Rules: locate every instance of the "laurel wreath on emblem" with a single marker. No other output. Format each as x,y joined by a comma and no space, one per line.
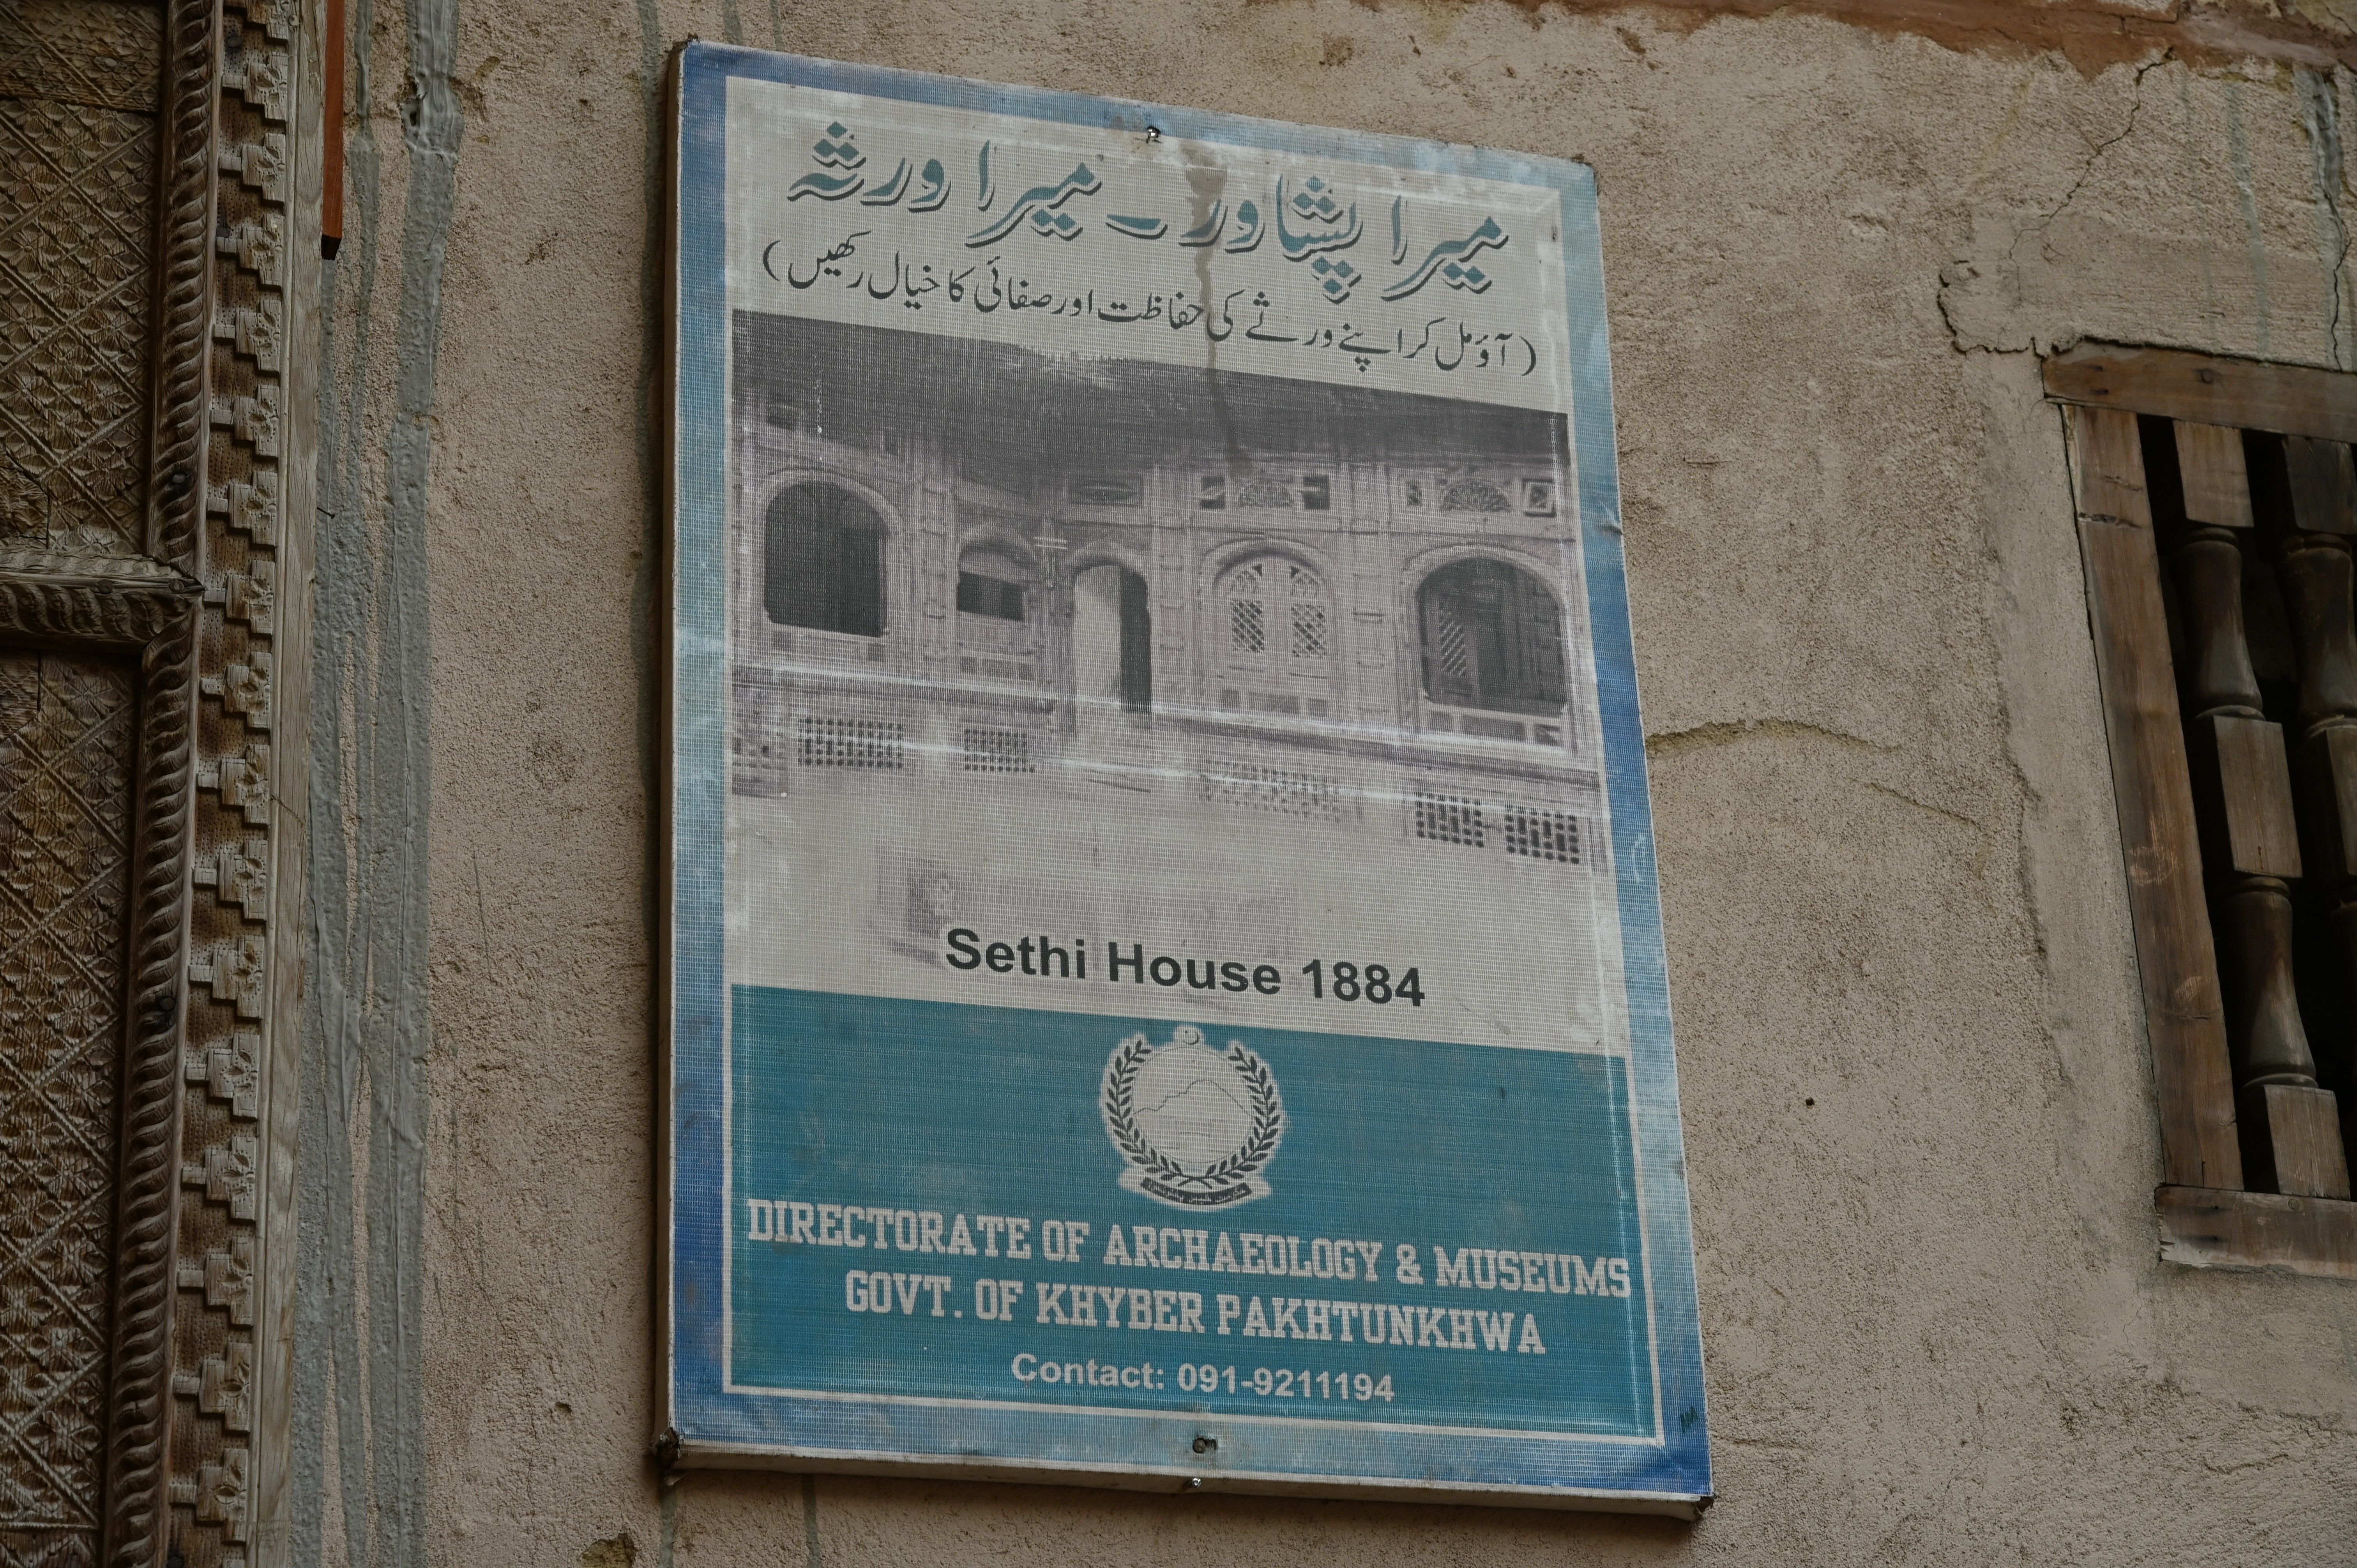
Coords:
1267,1126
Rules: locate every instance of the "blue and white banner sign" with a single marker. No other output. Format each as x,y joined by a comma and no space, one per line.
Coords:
1165,980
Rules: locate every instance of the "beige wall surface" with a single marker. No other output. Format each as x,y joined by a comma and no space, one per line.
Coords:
1918,1104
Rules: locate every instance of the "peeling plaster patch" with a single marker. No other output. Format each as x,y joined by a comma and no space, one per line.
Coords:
1668,743
1980,294
614,1551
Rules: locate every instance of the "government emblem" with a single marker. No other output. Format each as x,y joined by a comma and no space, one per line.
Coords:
1194,1124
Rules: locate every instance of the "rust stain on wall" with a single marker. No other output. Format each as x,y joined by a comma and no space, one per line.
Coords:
2091,35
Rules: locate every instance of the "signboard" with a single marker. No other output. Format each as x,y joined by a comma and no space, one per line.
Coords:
1165,979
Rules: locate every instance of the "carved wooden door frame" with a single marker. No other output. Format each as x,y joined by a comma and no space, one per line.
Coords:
211,606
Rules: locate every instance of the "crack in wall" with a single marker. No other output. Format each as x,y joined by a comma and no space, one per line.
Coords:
1904,798
2095,156
1954,296
2238,145
2319,116
2092,35
1980,302
1670,743
2210,308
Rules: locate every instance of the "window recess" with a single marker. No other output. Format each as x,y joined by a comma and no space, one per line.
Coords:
2217,515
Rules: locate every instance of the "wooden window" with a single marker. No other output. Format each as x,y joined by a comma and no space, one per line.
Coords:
2215,517
1492,640
1277,655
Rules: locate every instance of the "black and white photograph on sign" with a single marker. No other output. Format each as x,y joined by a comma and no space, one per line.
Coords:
1176,631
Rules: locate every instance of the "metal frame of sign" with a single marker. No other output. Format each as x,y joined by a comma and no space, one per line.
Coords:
1266,712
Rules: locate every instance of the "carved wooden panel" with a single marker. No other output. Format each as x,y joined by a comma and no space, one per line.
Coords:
79,140
235,952
66,735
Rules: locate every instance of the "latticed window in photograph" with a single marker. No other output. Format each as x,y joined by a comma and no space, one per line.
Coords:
988,750
1279,638
1541,835
2217,512
823,741
1307,601
1247,613
1448,819
1287,791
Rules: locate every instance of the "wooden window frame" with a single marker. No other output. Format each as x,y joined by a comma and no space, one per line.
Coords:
2207,1218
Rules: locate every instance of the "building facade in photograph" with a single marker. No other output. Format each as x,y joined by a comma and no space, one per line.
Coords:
1353,623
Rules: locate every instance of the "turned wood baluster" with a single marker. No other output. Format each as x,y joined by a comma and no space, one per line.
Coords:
2242,783
2319,576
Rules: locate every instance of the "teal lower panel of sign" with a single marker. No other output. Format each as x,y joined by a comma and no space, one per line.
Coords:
1076,1224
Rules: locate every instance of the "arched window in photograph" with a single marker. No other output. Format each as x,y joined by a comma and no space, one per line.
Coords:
1276,639
1492,640
823,562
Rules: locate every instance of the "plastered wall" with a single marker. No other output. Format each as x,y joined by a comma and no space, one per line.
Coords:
1917,1102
